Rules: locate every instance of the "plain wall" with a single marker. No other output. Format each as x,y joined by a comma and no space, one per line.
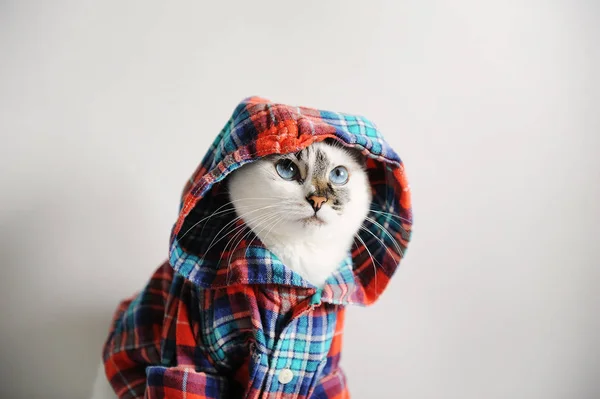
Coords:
107,107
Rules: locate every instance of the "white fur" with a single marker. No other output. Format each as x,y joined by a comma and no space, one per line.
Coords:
274,208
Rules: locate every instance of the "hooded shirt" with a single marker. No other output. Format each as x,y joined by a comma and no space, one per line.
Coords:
217,321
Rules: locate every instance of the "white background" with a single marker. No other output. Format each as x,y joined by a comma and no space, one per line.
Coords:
107,107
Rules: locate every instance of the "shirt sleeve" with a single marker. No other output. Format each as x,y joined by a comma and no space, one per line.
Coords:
133,343
133,361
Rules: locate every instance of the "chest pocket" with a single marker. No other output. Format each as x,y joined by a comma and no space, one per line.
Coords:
225,330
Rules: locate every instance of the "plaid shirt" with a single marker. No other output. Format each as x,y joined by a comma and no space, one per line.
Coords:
222,322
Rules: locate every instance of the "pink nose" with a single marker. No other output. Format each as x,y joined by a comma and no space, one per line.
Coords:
316,202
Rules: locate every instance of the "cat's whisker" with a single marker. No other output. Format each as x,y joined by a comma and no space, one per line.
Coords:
219,237
384,230
382,244
231,234
261,219
218,210
278,218
373,260
223,212
235,231
213,243
240,230
257,222
265,220
269,232
205,218
237,208
390,214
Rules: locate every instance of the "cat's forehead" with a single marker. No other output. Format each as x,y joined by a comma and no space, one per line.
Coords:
323,154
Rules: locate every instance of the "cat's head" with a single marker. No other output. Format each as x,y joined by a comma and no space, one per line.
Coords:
321,192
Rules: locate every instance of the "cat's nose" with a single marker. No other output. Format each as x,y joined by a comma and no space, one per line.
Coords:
316,202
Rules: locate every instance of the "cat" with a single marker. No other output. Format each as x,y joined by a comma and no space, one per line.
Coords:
305,207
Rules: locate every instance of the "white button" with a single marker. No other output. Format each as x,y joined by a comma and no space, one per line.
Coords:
285,376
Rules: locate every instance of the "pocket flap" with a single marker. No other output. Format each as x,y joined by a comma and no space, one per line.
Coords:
179,382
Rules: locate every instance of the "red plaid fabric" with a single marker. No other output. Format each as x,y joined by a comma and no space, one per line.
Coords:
220,322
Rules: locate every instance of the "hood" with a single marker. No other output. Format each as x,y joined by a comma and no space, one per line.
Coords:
259,128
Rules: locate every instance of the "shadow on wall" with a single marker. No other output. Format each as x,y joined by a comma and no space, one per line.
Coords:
61,281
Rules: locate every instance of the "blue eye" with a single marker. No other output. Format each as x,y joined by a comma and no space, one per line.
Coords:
287,169
339,175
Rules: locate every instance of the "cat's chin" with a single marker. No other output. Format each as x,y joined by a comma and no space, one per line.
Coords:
313,221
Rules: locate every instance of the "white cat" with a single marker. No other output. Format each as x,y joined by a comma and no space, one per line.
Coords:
305,207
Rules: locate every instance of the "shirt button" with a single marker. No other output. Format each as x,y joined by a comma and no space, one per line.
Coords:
285,376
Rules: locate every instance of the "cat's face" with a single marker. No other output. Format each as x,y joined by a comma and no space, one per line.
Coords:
320,192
